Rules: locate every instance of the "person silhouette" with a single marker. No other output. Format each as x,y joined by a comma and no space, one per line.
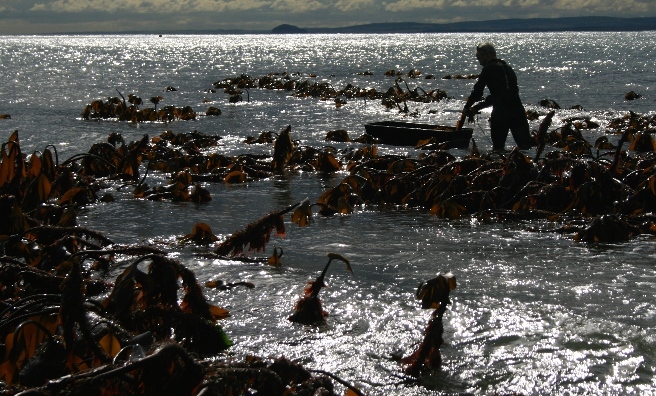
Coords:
507,110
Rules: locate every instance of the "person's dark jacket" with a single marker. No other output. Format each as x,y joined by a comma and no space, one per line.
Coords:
502,83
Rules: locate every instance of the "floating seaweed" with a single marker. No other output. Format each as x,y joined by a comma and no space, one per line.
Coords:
282,150
308,309
564,184
433,293
201,235
118,109
256,235
147,334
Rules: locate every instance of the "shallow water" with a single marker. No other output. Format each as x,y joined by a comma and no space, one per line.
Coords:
533,313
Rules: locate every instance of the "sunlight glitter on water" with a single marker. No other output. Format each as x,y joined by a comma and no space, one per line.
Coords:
534,312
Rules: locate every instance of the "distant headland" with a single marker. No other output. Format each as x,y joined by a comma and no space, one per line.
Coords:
577,24
572,24
288,29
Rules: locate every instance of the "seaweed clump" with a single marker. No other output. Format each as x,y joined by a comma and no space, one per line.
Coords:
433,294
151,331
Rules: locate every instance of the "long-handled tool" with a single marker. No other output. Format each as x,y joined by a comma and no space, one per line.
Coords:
461,121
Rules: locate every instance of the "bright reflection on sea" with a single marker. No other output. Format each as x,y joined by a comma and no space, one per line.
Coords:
534,324
534,312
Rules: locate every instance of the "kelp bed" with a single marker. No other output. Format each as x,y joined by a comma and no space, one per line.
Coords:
152,331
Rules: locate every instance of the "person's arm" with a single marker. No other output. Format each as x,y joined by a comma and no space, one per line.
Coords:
477,94
477,91
481,105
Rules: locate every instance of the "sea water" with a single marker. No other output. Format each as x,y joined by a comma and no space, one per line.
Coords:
533,312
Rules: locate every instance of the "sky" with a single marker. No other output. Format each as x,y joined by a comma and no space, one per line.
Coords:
116,16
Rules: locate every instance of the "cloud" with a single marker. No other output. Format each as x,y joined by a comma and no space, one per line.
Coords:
471,7
575,7
230,5
297,6
66,6
605,6
151,6
409,5
190,6
52,16
354,5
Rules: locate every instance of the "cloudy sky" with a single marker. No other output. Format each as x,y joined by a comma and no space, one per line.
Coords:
59,16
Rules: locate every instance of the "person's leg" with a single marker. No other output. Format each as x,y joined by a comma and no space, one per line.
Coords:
499,130
520,130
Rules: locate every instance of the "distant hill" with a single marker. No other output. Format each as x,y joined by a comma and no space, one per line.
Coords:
287,29
578,24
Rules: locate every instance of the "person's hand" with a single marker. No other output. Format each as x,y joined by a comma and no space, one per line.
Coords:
470,113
